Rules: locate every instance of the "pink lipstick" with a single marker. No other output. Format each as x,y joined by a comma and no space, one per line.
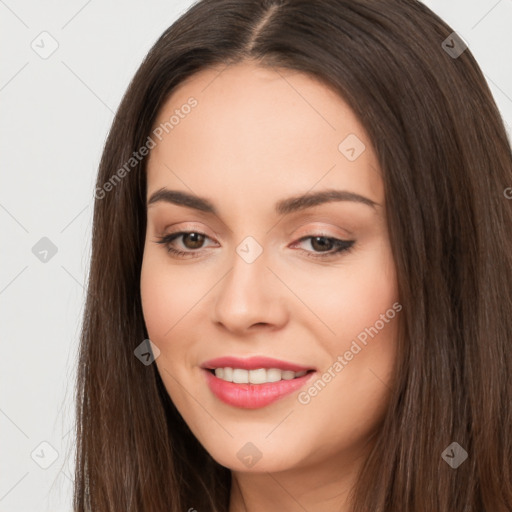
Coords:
253,382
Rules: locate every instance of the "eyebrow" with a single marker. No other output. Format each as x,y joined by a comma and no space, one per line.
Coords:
282,207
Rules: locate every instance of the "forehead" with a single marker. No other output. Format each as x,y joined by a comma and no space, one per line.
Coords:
260,132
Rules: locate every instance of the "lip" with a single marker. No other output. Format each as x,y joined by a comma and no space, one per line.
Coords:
253,396
252,363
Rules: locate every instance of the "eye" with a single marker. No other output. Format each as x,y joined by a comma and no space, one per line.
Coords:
327,246
323,246
194,241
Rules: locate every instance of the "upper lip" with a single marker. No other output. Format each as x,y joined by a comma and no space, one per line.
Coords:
252,363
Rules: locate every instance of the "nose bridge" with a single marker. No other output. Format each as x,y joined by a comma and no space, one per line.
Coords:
247,282
247,294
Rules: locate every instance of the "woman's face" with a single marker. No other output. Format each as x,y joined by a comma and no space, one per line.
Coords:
261,277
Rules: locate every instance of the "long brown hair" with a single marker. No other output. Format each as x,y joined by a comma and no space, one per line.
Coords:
446,162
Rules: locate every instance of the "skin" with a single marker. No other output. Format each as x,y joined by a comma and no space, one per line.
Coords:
257,136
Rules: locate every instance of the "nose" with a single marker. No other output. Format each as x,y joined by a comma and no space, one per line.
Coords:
250,297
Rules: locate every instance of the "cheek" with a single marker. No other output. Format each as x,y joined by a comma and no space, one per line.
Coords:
361,310
347,300
364,313
157,301
166,294
366,303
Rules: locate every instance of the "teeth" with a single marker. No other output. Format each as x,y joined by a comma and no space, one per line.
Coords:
273,375
240,376
259,376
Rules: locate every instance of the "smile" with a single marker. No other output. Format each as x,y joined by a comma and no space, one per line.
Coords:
259,376
247,386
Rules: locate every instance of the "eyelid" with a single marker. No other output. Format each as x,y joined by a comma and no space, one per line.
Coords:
319,229
187,227
305,231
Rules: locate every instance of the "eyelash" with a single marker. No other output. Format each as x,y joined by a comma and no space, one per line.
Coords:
342,246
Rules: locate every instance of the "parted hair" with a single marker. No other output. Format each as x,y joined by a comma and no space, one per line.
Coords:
445,161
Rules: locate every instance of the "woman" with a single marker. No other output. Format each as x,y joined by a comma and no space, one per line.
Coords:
301,204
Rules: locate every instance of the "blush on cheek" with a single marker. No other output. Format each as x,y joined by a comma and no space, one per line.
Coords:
166,299
357,312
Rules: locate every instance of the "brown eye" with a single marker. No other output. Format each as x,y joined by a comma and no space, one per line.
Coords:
196,240
326,246
322,246
191,241
322,243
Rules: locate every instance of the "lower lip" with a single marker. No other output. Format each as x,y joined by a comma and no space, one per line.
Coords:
253,396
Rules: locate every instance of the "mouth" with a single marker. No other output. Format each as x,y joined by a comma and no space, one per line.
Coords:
257,376
255,382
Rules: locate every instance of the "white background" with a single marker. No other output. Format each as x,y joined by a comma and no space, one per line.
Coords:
55,115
